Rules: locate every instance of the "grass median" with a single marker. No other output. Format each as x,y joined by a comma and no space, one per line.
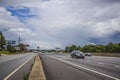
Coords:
107,54
6,52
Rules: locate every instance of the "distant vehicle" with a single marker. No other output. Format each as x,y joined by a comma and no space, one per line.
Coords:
77,54
35,51
88,54
60,52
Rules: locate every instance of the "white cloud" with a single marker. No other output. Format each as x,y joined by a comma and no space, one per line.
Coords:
60,22
12,27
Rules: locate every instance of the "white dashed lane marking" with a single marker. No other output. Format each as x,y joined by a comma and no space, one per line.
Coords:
101,63
88,61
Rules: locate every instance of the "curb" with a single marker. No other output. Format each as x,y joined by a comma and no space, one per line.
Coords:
37,72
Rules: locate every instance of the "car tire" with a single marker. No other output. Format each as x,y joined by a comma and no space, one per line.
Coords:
83,58
72,57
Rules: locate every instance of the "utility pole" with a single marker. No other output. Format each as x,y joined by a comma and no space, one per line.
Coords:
19,40
38,48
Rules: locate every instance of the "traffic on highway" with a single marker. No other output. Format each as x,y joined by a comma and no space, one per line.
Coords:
63,67
59,39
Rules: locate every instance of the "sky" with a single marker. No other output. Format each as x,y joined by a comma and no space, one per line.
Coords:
58,23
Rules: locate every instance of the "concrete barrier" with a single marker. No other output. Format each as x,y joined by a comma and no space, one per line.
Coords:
37,72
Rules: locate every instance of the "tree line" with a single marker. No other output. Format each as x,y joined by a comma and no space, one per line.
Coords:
99,48
9,47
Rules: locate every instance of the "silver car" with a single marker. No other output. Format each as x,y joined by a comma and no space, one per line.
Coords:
77,54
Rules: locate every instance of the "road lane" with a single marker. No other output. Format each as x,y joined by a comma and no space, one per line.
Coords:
94,60
10,57
56,70
9,64
107,65
100,67
23,71
108,60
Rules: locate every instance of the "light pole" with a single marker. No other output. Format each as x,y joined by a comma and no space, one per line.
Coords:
19,40
38,48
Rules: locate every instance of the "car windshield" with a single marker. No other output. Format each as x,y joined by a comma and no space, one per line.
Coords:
76,51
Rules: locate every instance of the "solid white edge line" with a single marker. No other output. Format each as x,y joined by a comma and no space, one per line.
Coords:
17,69
85,68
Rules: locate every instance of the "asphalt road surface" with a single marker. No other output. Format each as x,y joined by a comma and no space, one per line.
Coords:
63,67
14,67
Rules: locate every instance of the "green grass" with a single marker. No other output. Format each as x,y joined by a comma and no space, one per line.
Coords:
6,52
26,76
107,54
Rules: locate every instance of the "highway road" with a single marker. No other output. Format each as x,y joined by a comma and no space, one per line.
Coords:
14,67
63,67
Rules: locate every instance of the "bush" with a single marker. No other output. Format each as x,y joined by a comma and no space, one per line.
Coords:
109,48
5,52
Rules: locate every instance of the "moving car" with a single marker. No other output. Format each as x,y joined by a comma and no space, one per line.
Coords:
77,54
35,51
88,54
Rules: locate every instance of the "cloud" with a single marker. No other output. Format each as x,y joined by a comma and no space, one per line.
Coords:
59,22
11,26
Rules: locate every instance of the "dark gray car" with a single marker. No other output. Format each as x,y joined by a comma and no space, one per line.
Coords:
77,54
88,54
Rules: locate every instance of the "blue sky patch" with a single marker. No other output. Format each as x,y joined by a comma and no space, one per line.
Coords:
22,13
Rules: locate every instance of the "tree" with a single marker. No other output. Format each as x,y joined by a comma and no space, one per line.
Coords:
2,41
22,47
108,48
101,48
66,49
118,48
93,48
73,47
79,48
11,48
